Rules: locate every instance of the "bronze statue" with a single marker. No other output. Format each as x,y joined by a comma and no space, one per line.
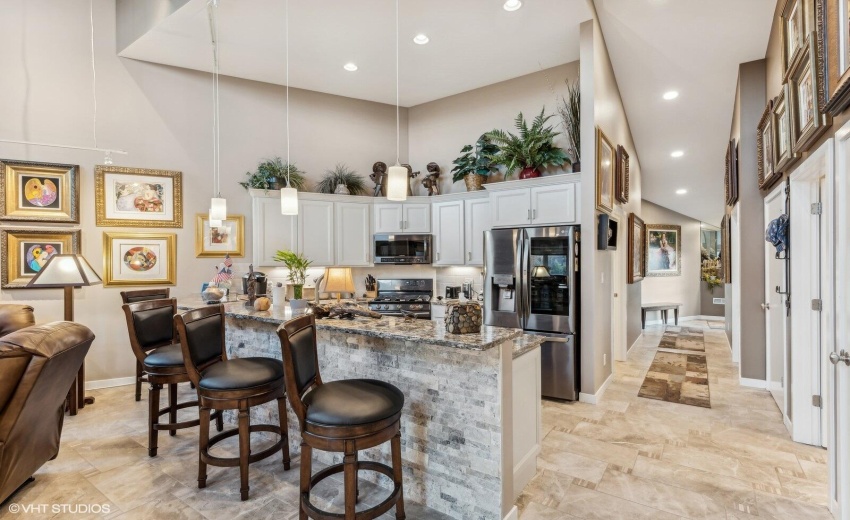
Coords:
379,177
410,175
432,181
252,286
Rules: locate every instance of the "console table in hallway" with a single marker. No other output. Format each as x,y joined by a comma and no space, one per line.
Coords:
662,308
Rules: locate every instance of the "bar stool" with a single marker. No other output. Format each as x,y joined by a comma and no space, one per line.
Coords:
150,325
230,384
143,296
341,416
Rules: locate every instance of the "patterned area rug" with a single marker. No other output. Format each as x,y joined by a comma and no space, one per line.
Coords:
679,377
683,338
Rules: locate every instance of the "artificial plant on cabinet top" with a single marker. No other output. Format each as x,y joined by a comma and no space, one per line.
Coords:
531,150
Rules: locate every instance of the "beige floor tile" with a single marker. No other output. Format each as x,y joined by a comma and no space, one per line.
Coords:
781,508
806,490
722,465
571,464
593,448
594,505
535,511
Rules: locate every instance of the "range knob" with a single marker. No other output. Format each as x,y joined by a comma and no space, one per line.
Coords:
385,307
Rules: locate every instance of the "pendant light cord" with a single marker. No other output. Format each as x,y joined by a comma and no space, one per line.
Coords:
212,7
288,165
93,72
397,121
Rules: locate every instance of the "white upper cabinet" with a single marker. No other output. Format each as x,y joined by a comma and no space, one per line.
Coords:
388,218
272,231
353,235
476,218
449,247
403,218
510,208
316,237
553,204
535,202
417,218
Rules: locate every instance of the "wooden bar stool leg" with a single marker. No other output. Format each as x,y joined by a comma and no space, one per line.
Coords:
138,381
244,447
356,479
203,446
395,445
153,418
306,475
350,461
172,406
219,421
284,432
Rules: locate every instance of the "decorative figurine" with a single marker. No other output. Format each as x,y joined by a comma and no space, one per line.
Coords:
410,175
252,286
432,181
379,176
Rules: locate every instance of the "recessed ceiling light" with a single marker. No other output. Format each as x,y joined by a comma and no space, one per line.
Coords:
677,154
673,94
512,5
350,67
681,191
421,39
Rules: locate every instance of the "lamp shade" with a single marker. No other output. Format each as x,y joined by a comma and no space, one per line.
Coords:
288,201
397,183
540,271
218,209
70,270
339,280
215,222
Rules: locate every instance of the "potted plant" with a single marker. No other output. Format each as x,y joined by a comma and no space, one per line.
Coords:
475,163
343,180
297,265
570,110
271,174
529,151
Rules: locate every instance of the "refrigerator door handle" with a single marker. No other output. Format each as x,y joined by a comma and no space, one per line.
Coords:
520,284
526,282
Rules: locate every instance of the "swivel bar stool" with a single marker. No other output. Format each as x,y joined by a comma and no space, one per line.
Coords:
150,325
230,384
143,295
341,416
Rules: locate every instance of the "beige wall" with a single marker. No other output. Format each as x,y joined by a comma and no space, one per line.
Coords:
162,116
439,129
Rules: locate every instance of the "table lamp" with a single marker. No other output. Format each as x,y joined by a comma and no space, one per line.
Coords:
69,271
540,271
339,280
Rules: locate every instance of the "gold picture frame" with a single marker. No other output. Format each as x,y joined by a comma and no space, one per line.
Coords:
138,197
622,187
783,155
833,28
39,192
138,259
663,249
231,242
796,17
807,98
606,157
730,179
766,142
24,251
636,253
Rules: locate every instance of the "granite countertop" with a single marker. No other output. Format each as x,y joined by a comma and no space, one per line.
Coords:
445,301
526,343
428,331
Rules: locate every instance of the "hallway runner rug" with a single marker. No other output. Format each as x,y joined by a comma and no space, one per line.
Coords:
679,371
683,338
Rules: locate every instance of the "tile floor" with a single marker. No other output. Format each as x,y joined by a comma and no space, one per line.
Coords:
635,458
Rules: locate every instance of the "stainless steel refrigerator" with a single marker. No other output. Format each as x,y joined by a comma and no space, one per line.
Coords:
531,281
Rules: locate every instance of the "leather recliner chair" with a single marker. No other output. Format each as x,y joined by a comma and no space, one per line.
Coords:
37,366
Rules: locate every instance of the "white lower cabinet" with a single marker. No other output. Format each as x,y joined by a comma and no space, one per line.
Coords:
476,220
527,419
272,231
316,237
447,223
353,236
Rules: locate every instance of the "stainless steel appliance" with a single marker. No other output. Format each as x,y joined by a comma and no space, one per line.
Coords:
402,249
452,292
531,282
404,297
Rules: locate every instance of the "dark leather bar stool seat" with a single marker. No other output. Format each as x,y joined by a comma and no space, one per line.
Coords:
143,295
230,384
341,416
150,325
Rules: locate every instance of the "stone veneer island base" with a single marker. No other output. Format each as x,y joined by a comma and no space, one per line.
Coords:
459,436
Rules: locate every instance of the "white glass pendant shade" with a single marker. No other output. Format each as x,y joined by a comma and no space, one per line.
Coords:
397,183
215,222
288,201
218,209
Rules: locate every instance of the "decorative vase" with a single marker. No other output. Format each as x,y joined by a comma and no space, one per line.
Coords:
577,167
298,306
463,318
473,182
529,173
275,183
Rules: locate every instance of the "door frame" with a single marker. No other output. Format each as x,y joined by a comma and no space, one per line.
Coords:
735,215
810,327
619,306
778,192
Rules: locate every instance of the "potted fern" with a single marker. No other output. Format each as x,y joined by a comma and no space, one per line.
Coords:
297,265
530,151
272,174
475,163
343,180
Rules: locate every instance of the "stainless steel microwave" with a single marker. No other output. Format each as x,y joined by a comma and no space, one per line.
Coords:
402,249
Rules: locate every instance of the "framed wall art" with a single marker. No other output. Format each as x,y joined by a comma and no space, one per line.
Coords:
765,140
605,166
139,259
23,252
621,187
833,27
636,253
783,156
663,250
39,192
138,197
730,180
806,97
796,25
726,248
229,238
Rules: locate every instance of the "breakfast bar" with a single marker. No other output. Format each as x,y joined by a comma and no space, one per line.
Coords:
461,394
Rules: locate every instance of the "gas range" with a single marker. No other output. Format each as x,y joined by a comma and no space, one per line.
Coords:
404,297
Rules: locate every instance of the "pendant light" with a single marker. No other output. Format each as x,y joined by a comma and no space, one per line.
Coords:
218,204
397,180
288,194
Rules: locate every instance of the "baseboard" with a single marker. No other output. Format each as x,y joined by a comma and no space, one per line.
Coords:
670,321
109,383
513,514
787,421
594,398
640,337
753,383
525,470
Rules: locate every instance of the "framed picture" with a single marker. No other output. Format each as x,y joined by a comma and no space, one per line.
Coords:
23,252
229,238
636,255
622,175
605,158
726,248
765,145
807,99
138,197
796,25
783,157
731,177
833,28
663,250
39,192
139,259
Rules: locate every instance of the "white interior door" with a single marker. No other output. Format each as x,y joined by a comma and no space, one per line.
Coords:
618,285
774,306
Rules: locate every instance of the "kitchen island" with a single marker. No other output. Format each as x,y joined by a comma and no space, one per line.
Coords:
461,444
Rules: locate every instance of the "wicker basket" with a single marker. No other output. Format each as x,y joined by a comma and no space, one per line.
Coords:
473,182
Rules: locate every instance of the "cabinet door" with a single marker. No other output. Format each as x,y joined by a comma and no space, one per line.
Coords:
353,238
388,218
271,231
476,218
448,233
510,208
553,204
316,238
417,218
